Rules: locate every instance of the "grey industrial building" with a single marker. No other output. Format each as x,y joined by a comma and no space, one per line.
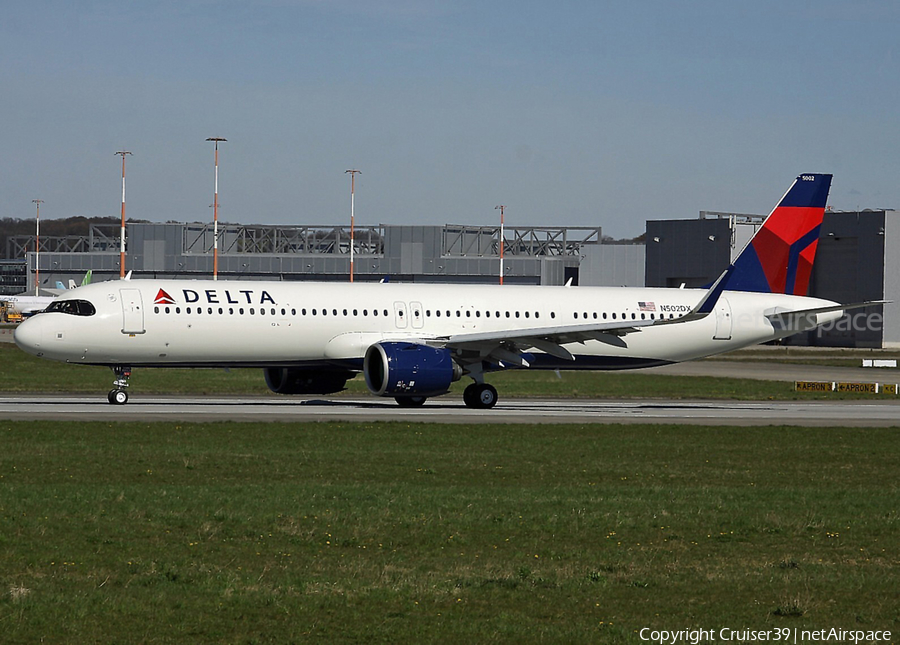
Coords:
858,259
449,253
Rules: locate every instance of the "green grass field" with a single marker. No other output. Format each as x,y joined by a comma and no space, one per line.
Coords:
393,532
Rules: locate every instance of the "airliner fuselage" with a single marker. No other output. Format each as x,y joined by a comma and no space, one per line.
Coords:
247,324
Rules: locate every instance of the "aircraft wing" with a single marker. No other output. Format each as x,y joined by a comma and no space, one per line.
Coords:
504,346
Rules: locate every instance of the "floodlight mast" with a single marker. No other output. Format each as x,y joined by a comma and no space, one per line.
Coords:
123,153
37,247
216,212
353,174
502,208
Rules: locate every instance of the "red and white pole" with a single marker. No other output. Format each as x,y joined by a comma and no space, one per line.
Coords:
123,153
37,247
216,212
353,174
502,243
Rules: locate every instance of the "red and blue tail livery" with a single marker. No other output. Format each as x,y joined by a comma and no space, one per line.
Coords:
780,256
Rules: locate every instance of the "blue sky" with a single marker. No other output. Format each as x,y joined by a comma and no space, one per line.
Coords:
577,113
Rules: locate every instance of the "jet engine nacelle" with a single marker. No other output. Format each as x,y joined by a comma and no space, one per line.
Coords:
409,369
295,380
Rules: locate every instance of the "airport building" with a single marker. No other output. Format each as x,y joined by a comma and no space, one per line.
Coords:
449,253
857,260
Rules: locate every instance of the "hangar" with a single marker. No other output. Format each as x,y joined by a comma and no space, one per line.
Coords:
858,257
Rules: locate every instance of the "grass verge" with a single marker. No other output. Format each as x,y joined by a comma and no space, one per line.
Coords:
395,532
25,373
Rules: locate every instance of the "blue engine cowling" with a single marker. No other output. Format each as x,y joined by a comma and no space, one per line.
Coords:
409,369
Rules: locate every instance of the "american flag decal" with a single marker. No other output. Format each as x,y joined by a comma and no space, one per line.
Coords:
647,306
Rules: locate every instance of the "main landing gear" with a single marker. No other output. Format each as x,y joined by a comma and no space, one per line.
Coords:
480,396
119,395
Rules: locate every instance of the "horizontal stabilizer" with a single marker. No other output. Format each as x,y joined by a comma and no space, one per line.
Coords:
824,310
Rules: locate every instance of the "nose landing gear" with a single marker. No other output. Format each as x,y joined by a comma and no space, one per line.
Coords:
119,395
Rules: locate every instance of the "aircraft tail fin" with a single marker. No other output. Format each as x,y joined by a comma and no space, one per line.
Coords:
780,256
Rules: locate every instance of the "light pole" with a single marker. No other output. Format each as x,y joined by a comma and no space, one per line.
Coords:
502,208
353,174
123,153
37,247
216,212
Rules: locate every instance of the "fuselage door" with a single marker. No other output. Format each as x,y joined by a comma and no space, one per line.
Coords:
723,319
132,311
416,315
400,315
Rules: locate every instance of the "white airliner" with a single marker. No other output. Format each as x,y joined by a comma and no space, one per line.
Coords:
29,305
412,341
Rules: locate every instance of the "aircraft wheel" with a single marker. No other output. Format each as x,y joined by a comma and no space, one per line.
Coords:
118,397
410,401
480,396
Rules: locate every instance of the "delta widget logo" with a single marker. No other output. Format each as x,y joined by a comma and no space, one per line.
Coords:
162,298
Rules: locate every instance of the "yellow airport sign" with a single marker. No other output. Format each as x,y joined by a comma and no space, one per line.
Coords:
859,388
813,386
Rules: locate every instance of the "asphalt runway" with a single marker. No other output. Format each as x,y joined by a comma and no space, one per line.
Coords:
878,411
449,410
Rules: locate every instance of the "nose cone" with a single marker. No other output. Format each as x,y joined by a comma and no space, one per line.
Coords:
28,336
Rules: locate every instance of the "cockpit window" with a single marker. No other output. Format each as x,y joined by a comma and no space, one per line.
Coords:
73,307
